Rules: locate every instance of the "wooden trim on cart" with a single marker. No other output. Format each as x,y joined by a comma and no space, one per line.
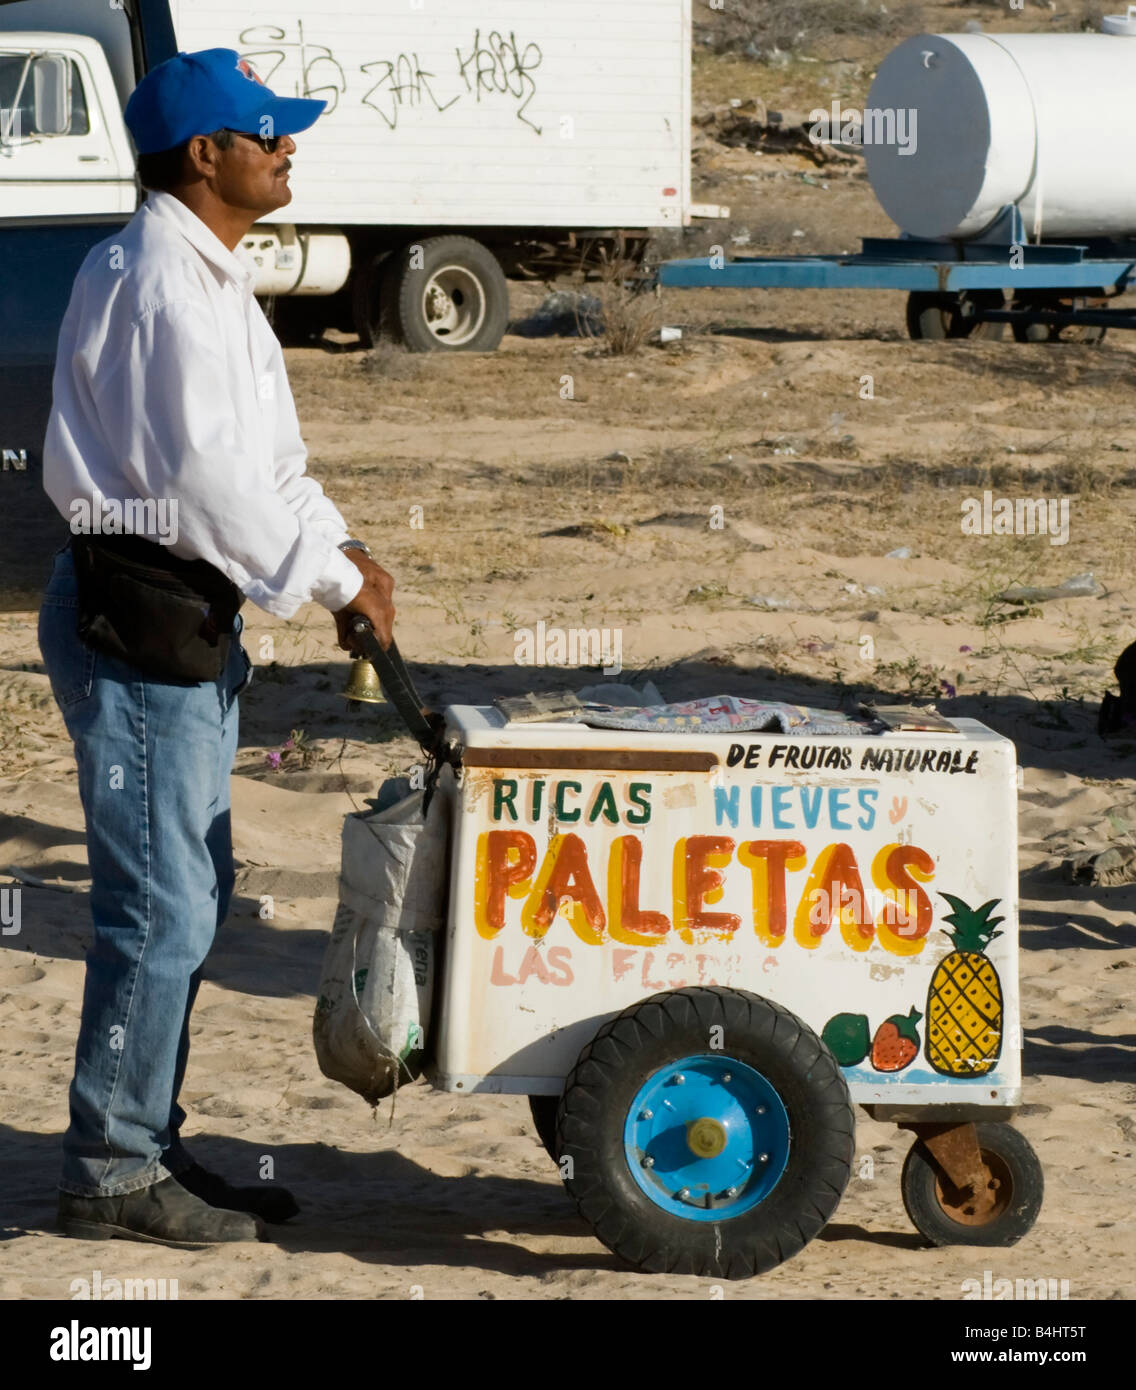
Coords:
590,759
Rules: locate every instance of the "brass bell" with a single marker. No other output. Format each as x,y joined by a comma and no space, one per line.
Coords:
363,683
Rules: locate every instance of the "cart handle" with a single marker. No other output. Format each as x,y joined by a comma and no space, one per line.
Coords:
427,726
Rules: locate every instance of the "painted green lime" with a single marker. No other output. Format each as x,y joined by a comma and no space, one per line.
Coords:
848,1038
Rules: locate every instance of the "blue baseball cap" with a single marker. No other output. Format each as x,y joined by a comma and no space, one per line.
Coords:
216,89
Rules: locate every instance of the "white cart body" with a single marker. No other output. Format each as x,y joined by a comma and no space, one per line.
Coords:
592,868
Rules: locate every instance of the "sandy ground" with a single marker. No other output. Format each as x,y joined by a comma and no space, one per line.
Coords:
758,410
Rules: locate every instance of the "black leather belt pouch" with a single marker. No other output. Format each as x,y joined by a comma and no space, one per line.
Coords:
170,618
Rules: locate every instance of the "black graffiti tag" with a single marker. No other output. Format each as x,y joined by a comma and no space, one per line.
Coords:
497,65
401,82
500,66
320,74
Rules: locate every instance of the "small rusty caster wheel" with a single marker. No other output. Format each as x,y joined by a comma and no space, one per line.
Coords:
999,1213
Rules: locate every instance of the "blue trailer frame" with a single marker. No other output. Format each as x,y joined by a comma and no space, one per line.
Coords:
953,286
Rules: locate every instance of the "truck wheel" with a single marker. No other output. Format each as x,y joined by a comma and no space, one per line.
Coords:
456,301
946,1216
706,1131
935,316
543,1110
372,291
299,320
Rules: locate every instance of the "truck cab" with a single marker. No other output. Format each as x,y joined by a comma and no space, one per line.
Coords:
66,70
63,146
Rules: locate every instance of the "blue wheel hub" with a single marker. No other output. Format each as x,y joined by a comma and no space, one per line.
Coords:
706,1138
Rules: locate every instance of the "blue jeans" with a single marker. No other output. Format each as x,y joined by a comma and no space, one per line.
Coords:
154,761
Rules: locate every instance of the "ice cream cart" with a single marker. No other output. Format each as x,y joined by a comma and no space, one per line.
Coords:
695,936
697,951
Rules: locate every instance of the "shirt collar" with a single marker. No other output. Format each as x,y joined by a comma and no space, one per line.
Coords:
237,266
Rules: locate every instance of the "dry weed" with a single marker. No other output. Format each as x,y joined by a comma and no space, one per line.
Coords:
630,314
765,29
394,362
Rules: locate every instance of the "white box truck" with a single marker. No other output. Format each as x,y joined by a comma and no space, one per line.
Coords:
509,138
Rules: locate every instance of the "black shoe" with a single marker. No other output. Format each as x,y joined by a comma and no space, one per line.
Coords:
269,1201
164,1214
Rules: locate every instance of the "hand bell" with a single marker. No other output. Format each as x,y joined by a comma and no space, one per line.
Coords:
363,683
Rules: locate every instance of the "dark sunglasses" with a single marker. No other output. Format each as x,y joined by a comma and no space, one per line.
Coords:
267,143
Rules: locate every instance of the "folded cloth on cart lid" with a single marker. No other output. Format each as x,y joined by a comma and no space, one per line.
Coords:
724,714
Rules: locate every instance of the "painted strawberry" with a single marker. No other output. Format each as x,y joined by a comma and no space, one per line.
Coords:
896,1044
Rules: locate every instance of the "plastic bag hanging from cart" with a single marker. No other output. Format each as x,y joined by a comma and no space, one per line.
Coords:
372,1016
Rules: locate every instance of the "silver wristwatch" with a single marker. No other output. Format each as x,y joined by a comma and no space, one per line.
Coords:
356,545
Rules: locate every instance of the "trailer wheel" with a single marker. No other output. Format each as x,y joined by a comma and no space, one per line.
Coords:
945,1216
1087,333
445,293
543,1110
935,316
706,1131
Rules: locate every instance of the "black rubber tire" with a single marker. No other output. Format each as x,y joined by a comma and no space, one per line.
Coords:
371,295
939,316
404,284
543,1110
1089,334
926,316
1030,332
662,1029
299,320
922,1180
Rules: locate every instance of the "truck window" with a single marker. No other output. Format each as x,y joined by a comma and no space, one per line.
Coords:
15,120
80,120
17,117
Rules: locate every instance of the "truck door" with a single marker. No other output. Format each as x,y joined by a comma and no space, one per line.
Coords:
59,155
40,255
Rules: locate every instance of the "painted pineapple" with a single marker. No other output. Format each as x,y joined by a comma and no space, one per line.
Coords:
964,1003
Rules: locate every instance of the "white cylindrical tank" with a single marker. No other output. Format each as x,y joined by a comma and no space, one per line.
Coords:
292,260
1040,120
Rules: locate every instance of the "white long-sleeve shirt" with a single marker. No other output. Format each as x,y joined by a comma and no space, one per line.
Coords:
170,385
